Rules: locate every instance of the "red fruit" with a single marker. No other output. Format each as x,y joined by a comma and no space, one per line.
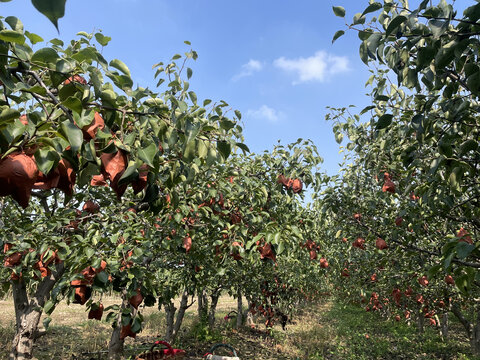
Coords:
136,299
18,173
463,236
82,294
187,243
409,291
90,131
75,78
127,331
389,186
359,243
357,216
381,244
313,254
266,252
419,298
373,277
323,263
423,281
96,312
91,207
407,314
113,167
102,267
297,186
344,239
397,317
281,179
44,271
345,272
140,183
23,119
432,322
13,260
98,180
398,221
413,196
449,280
397,295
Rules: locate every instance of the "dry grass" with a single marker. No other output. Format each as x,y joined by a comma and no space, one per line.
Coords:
326,330
72,336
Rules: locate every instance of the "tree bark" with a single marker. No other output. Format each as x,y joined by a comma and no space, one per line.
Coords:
170,310
116,345
28,313
213,308
180,315
472,329
202,306
444,325
420,321
239,309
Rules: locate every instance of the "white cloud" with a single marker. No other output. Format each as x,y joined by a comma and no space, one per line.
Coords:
318,67
248,69
265,113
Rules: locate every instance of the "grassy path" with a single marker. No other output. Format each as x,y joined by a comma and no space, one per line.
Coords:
328,330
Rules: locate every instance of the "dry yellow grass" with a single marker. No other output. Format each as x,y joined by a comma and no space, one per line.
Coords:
72,336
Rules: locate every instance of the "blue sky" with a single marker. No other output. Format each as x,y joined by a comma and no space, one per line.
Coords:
272,60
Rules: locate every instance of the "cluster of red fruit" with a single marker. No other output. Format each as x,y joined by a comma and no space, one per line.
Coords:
295,184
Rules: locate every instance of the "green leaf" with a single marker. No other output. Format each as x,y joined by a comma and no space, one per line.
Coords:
147,154
102,39
189,152
74,135
368,108
224,148
394,24
45,56
371,8
358,19
102,277
438,27
46,159
244,147
8,114
464,249
384,121
46,322
52,9
339,11
74,104
34,38
49,307
12,36
211,156
337,35
202,149
189,73
468,145
120,65
129,174
14,23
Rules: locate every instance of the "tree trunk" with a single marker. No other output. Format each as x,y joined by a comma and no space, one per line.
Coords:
444,325
170,310
239,309
202,306
473,330
213,308
420,321
180,315
116,345
28,313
